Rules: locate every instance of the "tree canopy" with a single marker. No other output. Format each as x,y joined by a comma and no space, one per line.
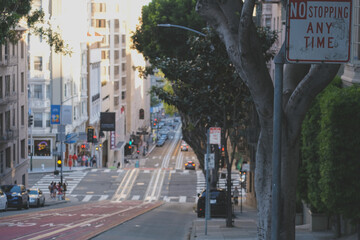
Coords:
13,12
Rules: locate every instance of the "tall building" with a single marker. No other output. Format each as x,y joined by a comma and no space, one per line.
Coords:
56,79
13,113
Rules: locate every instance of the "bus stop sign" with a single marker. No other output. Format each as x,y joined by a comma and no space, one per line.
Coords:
318,31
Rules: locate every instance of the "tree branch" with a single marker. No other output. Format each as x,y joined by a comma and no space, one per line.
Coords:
319,76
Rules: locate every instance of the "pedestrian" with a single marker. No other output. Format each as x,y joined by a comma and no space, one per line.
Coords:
50,187
84,158
93,161
54,190
64,189
59,190
236,196
70,161
75,160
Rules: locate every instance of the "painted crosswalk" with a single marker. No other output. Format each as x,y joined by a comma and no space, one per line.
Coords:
201,184
71,178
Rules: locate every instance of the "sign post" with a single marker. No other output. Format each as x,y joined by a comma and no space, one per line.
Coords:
318,31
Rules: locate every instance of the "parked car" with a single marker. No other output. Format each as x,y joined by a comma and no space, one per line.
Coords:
190,165
37,197
17,196
218,205
160,143
3,201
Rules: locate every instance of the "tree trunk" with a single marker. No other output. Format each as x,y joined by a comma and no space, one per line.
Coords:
289,167
262,183
228,199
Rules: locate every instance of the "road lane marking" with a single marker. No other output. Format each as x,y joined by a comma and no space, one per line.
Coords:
67,227
87,198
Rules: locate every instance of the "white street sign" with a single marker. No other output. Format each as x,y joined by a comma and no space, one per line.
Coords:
211,161
318,31
215,135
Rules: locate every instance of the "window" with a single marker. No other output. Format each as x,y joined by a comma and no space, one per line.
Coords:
13,117
117,25
14,83
116,39
22,115
8,157
13,49
6,51
116,55
123,95
141,114
116,70
2,162
105,54
22,149
14,154
7,85
38,63
100,23
22,82
98,7
48,91
1,125
1,86
123,38
123,66
123,53
7,120
22,49
38,91
42,148
47,116
38,120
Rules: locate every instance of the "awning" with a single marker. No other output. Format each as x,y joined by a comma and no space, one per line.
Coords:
119,146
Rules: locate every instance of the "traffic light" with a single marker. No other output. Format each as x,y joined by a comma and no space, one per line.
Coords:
130,142
138,151
83,146
59,162
31,120
90,135
95,140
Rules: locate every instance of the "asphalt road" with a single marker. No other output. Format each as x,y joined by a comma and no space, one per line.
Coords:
169,221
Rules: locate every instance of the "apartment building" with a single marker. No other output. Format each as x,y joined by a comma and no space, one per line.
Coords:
56,79
13,113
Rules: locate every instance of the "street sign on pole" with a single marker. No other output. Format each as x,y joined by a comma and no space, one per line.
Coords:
215,135
211,162
318,31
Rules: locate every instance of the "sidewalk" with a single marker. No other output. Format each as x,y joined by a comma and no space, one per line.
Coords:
245,227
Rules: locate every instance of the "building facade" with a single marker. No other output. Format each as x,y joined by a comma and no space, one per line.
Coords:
13,113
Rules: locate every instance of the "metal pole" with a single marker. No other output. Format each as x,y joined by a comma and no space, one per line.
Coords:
276,154
178,26
207,195
61,149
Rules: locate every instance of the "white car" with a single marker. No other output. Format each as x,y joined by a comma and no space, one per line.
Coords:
37,197
3,201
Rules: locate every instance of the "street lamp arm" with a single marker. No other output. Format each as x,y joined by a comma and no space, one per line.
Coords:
178,26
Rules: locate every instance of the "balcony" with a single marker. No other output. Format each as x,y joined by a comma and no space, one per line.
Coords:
40,103
9,98
40,74
9,135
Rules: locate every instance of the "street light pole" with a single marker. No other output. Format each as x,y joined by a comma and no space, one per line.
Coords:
178,26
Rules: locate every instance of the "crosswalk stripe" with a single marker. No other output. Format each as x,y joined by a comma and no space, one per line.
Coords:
103,197
87,198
